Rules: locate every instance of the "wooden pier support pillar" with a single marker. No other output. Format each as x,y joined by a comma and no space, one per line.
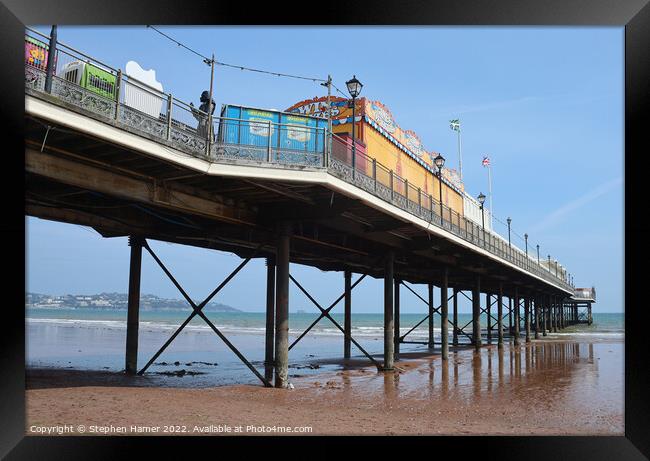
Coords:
282,307
476,314
133,312
347,321
455,317
388,311
269,356
444,314
396,321
527,317
500,317
431,306
488,310
537,306
516,314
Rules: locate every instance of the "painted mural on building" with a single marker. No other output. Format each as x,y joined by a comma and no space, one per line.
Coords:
380,118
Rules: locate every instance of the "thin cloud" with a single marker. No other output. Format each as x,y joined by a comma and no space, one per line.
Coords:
553,217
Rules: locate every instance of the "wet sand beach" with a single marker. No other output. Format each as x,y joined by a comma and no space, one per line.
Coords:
552,386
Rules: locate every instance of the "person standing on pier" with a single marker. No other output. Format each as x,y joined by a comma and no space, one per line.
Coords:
201,114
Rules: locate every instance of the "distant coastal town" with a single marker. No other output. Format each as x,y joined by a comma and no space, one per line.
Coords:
113,301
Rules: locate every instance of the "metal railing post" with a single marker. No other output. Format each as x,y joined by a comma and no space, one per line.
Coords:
406,192
392,188
268,147
431,207
118,85
170,105
374,172
420,199
327,146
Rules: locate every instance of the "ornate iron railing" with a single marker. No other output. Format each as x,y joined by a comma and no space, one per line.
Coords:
128,102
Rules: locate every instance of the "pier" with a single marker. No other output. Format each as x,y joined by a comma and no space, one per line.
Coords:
92,159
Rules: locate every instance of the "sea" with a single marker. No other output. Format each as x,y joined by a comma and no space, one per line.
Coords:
94,339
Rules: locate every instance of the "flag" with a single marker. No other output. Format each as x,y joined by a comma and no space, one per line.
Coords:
454,125
486,161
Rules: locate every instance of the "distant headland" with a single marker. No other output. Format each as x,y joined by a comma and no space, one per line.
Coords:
113,301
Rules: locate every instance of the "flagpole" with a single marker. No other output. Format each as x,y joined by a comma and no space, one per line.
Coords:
460,155
490,192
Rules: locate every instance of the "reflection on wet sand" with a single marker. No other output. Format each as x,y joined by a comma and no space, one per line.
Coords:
549,367
545,387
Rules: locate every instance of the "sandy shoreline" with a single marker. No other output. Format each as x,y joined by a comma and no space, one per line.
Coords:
550,387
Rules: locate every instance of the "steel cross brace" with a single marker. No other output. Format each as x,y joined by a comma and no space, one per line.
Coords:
325,313
481,311
520,306
197,310
490,304
458,330
582,314
435,309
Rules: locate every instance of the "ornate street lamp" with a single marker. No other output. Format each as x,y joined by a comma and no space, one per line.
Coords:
439,162
354,88
538,263
481,200
526,239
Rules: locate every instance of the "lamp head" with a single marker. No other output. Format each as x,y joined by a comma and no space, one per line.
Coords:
354,86
439,161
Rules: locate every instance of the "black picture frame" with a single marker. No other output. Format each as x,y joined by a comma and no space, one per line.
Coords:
634,15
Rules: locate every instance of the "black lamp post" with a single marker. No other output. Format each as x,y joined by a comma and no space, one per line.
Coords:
481,200
509,245
439,161
538,255
549,263
526,239
354,88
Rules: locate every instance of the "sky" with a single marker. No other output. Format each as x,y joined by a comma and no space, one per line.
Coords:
545,104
